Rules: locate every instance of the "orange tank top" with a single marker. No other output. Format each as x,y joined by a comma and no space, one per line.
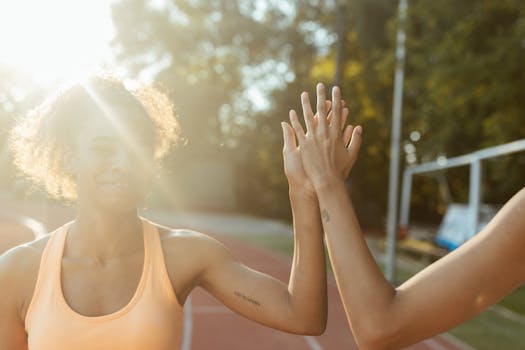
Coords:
151,320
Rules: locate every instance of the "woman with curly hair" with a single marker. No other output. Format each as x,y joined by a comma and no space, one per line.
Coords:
111,279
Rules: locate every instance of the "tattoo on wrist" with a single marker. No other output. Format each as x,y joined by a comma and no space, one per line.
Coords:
246,298
324,215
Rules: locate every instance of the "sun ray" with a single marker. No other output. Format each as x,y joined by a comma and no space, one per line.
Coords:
117,123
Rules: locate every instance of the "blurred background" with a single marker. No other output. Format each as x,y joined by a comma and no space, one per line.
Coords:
234,68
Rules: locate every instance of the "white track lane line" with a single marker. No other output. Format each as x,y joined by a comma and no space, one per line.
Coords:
313,343
187,329
434,344
38,228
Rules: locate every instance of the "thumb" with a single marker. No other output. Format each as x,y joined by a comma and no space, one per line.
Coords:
347,134
355,142
289,137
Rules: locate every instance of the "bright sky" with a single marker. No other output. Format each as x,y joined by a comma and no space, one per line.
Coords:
55,39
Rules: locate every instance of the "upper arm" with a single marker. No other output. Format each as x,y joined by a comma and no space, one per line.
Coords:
250,293
466,281
12,330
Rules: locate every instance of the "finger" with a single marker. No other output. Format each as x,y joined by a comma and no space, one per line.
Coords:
328,104
308,114
355,142
336,109
347,134
296,126
321,107
289,137
344,117
328,108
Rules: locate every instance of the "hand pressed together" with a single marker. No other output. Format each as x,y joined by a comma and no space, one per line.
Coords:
327,152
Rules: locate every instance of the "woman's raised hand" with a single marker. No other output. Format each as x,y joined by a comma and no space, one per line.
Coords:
328,153
293,164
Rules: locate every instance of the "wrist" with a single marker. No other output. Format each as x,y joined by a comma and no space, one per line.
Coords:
329,188
302,193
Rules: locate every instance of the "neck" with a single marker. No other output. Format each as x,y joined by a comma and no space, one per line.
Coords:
104,235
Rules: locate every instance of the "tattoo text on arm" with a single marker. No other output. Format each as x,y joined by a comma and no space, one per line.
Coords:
246,298
325,215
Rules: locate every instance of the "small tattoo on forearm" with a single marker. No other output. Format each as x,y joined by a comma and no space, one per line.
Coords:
324,215
246,298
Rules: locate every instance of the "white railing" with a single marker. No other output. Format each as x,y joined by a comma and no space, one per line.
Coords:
474,161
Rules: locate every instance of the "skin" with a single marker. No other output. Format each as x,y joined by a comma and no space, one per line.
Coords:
104,250
448,292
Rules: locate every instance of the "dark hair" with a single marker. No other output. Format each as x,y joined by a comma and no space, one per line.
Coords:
42,139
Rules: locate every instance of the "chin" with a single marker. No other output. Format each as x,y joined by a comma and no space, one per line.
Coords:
113,199
119,204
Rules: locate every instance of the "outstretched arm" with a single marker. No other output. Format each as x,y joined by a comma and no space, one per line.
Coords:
301,305
450,291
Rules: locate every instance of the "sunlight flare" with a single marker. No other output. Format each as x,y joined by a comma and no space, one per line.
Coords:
55,39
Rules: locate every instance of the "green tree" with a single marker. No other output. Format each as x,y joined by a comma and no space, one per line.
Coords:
215,58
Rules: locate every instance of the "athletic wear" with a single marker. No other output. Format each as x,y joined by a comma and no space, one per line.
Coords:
152,320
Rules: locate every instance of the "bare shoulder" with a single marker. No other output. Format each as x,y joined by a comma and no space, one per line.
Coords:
188,256
190,241
17,262
18,273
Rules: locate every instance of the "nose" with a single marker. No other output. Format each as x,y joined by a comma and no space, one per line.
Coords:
129,161
123,161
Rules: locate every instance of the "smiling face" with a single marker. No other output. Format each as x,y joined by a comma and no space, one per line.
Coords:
112,160
91,140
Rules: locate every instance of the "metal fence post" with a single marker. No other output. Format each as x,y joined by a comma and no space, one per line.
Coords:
406,190
474,196
394,144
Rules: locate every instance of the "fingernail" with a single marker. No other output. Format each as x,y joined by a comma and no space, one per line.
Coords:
282,125
304,95
358,130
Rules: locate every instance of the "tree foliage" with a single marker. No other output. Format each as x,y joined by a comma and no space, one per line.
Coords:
234,68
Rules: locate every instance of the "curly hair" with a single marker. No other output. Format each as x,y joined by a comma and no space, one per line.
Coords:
42,140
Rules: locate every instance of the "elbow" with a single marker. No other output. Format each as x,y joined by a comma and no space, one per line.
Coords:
312,330
378,335
371,344
309,320
371,341
316,329
313,326
320,324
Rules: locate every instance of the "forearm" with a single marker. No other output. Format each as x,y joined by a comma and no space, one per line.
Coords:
460,285
307,284
366,294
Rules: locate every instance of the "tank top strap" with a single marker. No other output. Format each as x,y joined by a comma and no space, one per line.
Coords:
158,271
57,251
49,269
51,260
